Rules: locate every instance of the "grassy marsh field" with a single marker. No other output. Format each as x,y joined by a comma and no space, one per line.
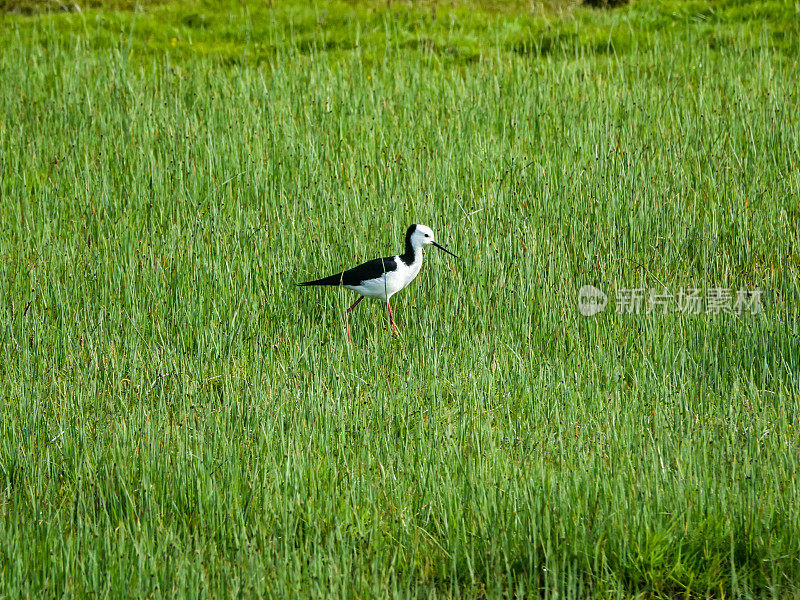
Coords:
178,420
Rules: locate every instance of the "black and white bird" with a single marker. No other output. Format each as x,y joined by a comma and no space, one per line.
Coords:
384,277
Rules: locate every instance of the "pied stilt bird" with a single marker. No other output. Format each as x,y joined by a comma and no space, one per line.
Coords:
384,277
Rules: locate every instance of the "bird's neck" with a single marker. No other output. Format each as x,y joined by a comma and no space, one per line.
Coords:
412,254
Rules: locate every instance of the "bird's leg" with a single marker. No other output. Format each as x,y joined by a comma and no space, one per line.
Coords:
391,319
347,315
349,310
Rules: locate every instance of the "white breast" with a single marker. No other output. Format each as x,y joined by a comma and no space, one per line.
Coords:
388,284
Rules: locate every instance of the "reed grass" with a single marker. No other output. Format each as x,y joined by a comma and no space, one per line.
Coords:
178,420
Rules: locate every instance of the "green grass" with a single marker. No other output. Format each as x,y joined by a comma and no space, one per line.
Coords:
448,32
178,420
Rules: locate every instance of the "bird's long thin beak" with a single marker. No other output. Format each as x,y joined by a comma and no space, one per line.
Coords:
443,248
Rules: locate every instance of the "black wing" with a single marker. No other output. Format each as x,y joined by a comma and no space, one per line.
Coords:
369,270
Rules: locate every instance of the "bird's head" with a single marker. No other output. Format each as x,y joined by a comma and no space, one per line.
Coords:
421,235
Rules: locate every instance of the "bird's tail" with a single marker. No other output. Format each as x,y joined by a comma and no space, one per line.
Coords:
331,280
